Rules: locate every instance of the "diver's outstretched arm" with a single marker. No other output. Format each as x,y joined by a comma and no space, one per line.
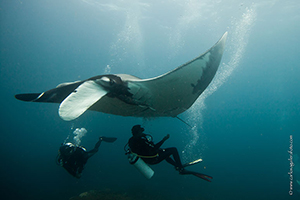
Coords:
97,145
158,145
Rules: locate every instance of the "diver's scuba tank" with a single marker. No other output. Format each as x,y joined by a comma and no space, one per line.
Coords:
138,163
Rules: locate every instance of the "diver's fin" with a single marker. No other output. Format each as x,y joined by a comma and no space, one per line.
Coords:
203,176
192,163
199,175
108,139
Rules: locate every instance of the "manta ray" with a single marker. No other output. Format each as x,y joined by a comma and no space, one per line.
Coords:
166,95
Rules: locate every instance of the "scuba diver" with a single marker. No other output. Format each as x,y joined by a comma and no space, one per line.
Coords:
141,144
73,157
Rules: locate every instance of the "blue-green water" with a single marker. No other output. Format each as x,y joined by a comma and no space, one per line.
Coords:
244,120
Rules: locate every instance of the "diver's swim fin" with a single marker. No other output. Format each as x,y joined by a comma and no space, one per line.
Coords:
192,163
108,139
199,175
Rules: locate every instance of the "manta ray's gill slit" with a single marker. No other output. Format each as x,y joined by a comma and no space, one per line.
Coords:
236,48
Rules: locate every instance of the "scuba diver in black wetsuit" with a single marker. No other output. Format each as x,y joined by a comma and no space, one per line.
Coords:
142,145
73,157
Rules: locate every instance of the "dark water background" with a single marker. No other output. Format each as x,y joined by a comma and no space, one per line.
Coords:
243,121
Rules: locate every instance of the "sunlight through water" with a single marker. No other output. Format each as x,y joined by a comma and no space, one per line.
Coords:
235,48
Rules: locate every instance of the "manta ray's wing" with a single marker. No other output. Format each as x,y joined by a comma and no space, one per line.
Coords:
169,94
74,98
174,92
56,95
